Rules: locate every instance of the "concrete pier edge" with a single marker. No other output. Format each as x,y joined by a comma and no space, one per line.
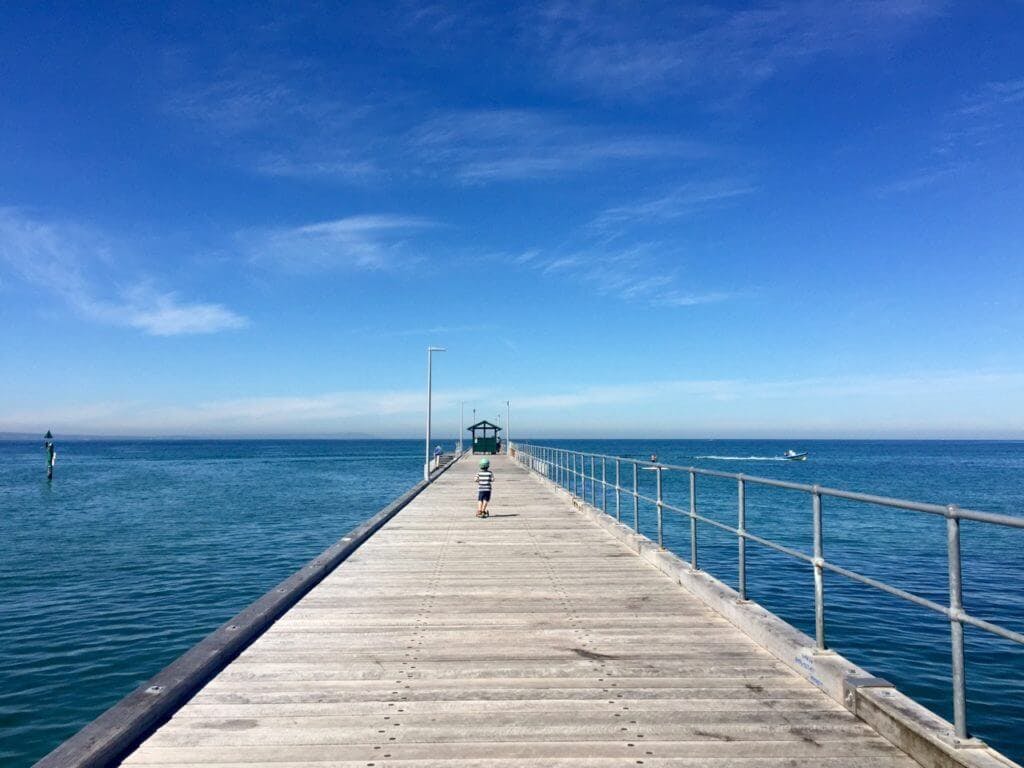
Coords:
908,725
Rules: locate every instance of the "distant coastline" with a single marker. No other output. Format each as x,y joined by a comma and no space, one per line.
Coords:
18,437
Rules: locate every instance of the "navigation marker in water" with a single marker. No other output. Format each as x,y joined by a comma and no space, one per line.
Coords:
51,454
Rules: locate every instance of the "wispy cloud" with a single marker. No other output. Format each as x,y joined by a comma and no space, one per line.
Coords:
990,115
375,241
276,123
982,122
685,200
163,313
58,258
994,97
634,274
921,178
607,257
699,47
676,298
435,331
478,146
311,164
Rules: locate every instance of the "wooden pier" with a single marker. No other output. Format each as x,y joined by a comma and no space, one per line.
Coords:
533,637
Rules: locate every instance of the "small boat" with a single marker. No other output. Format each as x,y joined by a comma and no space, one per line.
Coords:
794,456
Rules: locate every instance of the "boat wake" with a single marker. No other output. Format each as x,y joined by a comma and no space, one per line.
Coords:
743,458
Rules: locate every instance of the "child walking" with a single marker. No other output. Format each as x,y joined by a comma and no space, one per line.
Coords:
484,480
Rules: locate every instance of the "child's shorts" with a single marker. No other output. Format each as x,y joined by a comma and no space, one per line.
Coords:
483,496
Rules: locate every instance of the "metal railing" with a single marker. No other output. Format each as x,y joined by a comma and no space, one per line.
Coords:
569,470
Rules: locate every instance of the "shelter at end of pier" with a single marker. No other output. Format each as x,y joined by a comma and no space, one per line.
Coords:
485,437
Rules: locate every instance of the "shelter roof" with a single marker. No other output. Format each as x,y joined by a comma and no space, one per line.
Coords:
483,425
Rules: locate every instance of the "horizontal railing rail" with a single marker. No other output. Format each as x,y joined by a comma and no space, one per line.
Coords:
568,469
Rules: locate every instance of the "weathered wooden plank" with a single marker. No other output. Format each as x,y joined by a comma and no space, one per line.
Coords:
875,753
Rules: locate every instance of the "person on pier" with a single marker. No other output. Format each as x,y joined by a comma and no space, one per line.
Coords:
484,481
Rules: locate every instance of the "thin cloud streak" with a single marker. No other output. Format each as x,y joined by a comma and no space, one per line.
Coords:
685,200
56,258
991,115
633,274
985,121
436,331
994,97
696,49
638,272
478,146
366,242
270,121
921,179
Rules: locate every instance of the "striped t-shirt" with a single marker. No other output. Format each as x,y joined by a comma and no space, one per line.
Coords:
484,478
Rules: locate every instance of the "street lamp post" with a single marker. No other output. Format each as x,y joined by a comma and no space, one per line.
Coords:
508,428
430,366
462,422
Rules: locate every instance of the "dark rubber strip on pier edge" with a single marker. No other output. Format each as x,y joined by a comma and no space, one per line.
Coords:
120,729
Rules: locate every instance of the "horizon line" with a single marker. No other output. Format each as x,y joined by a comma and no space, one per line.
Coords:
26,437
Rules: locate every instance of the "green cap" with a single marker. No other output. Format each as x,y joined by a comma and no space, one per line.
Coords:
485,463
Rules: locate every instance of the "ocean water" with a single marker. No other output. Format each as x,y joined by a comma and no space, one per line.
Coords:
138,549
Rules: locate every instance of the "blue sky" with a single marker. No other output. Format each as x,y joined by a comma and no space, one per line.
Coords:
682,220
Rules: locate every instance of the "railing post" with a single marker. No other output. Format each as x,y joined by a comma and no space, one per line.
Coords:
636,499
741,526
693,520
956,627
618,492
583,464
661,541
819,573
604,485
583,477
593,480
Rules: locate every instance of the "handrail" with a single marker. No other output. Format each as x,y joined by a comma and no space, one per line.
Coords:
560,465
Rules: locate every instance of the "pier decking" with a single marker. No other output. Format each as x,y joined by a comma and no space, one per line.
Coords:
529,638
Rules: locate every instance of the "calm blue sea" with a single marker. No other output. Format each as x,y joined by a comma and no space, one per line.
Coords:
138,549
